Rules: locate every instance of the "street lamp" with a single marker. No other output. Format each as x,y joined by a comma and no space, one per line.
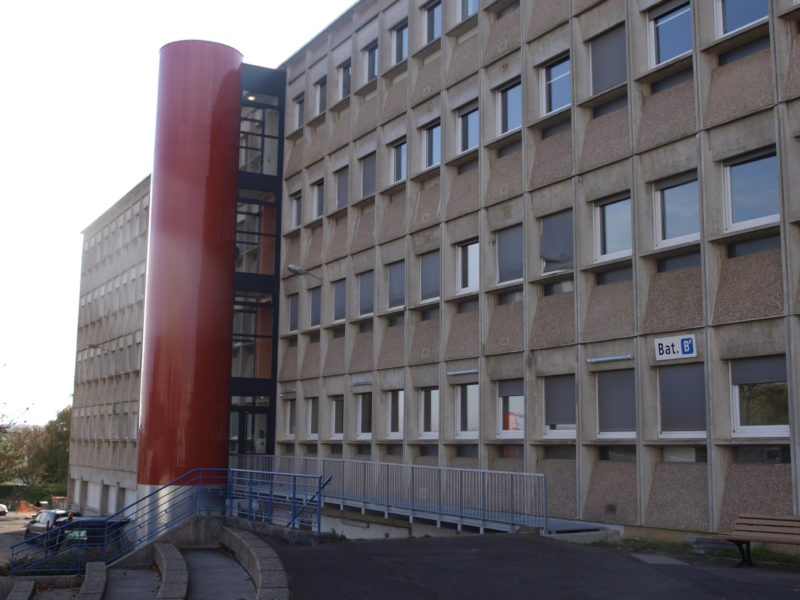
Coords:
301,271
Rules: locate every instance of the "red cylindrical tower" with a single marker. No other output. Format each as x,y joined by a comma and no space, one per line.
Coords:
185,377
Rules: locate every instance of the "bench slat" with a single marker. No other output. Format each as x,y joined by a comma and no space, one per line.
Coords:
767,529
775,538
767,519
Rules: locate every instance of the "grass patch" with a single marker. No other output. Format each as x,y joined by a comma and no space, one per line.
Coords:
647,546
758,555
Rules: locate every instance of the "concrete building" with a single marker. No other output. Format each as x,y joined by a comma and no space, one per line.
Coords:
555,237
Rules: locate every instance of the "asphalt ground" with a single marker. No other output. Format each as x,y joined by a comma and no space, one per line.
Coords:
516,566
12,530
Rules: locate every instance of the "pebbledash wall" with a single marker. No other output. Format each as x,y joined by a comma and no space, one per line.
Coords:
498,213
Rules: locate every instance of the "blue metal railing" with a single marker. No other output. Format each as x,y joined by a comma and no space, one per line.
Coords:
287,499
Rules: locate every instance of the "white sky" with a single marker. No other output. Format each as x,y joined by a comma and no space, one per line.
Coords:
77,119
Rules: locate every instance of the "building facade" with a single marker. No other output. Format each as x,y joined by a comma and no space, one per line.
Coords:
557,237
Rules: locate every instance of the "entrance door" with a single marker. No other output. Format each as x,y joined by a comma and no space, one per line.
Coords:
248,430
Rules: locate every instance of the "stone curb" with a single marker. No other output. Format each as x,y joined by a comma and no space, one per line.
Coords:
94,582
22,590
175,575
260,561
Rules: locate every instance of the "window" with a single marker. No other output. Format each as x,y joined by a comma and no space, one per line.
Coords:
468,267
313,418
319,198
555,245
368,175
371,53
401,42
511,108
339,300
682,400
429,413
616,404
397,284
342,187
559,406
433,145
433,17
296,208
365,283
429,275
509,254
468,127
290,417
678,212
321,88
759,396
394,414
753,196
511,408
671,30
754,246
344,79
557,85
608,59
316,295
468,8
399,161
468,411
293,305
337,417
614,229
735,14
364,416
299,110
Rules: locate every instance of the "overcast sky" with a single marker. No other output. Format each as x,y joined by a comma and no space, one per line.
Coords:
77,120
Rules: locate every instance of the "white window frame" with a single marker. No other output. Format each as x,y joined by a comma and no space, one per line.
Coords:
395,396
658,204
719,21
321,92
598,230
430,34
545,83
728,191
501,99
291,417
508,434
464,8
345,71
461,397
337,435
396,39
319,198
296,200
435,402
463,113
312,405
399,160
368,50
363,435
758,431
299,103
427,144
470,287
652,41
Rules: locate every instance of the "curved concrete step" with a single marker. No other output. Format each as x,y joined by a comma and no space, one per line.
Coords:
174,574
261,561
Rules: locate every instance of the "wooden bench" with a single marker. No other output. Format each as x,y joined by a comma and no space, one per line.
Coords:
750,528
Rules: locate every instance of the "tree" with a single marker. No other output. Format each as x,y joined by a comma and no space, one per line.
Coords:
51,459
25,442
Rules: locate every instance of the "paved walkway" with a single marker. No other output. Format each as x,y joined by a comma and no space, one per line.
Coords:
515,566
132,584
214,575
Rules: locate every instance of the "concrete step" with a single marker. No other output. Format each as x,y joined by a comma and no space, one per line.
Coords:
214,573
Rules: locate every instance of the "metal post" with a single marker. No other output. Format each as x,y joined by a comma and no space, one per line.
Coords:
413,495
294,497
439,498
460,499
364,488
386,499
341,490
483,499
271,494
319,503
250,496
230,493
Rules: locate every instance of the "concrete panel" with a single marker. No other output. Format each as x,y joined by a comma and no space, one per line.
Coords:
750,287
429,80
667,116
396,101
611,497
791,83
546,16
310,367
314,254
562,495
426,209
756,338
334,357
505,334
367,116
337,247
607,140
674,301
610,312
288,365
393,224
503,37
507,366
425,342
554,321
364,236
505,179
725,98
679,497
340,130
295,161
552,159
463,340
361,355
292,254
464,194
755,489
392,352
464,61
318,141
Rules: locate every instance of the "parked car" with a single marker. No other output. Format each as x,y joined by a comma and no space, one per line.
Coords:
3,510
46,519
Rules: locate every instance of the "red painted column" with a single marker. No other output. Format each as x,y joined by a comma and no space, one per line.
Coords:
185,377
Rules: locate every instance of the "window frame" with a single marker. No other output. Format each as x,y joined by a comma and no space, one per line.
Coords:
719,20
342,174
334,304
471,286
400,42
389,267
319,198
371,61
498,244
465,6
431,299
312,408
599,229
361,297
592,50
559,434
652,34
296,209
462,396
299,102
760,431
743,159
542,238
364,399
345,70
399,160
502,432
463,127
433,9
503,113
681,434
337,406
321,90
626,435
315,298
546,87
430,143
429,402
395,399
290,418
659,188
